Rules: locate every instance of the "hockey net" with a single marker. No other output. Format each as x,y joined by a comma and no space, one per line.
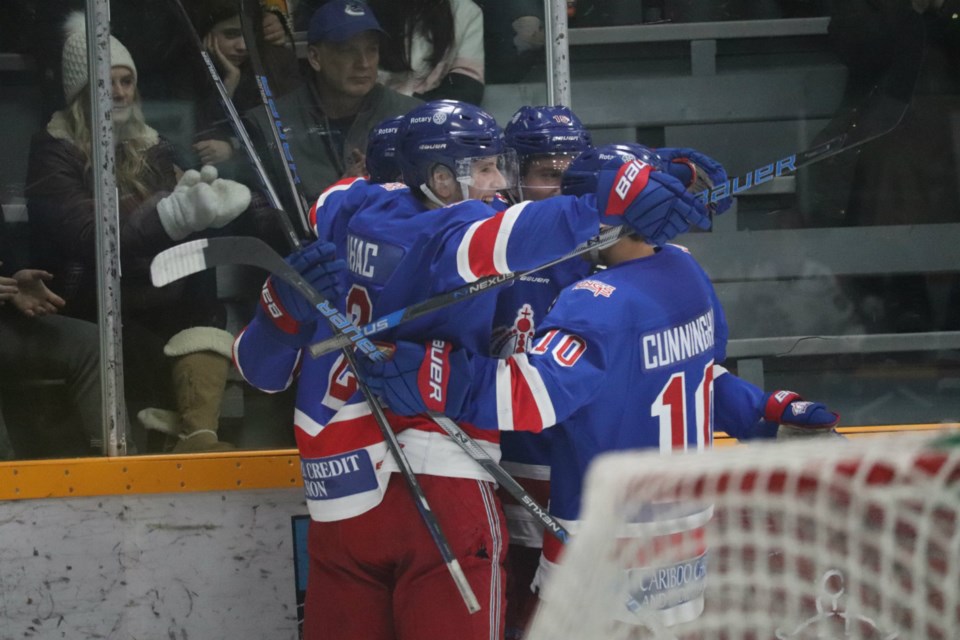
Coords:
787,540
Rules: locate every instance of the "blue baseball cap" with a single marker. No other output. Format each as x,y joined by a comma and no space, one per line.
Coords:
340,20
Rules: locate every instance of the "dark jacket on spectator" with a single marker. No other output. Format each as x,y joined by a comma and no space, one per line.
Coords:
63,234
321,150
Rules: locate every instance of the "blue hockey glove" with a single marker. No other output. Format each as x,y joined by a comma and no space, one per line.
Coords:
288,310
697,171
797,417
654,203
419,378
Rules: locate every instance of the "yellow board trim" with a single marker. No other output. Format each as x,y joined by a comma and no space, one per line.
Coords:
228,471
139,475
721,439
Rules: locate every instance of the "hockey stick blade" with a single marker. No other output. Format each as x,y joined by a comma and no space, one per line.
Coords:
607,238
198,255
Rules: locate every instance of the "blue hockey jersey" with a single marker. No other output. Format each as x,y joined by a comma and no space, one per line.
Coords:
624,360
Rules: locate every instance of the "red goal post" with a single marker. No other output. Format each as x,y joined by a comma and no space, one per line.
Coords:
817,538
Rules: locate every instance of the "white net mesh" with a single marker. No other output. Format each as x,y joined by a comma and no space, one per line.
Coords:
807,539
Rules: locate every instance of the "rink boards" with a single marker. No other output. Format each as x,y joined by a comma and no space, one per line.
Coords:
179,547
150,547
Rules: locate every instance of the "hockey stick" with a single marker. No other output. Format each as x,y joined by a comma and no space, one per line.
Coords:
198,255
190,257
882,115
887,114
515,489
882,111
501,475
605,239
241,132
249,9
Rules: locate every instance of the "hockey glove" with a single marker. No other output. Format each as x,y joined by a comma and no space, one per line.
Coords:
797,417
655,204
419,378
286,308
697,171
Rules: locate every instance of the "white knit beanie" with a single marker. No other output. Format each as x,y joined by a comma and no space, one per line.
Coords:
75,56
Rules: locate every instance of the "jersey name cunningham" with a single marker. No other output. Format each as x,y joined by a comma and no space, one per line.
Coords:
679,343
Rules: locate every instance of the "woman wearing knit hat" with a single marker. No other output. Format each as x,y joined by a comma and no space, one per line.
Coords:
159,206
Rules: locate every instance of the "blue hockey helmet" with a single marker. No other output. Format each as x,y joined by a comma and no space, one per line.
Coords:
381,157
453,135
545,139
541,130
581,176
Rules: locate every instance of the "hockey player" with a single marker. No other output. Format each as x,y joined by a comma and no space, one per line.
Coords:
625,359
546,140
374,571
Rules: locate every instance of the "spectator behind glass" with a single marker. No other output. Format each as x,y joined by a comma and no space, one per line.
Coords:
328,118
156,211
434,49
907,176
37,342
513,38
217,23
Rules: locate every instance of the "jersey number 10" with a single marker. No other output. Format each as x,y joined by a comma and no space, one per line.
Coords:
670,407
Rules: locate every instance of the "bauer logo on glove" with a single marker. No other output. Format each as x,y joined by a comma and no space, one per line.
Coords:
419,377
633,178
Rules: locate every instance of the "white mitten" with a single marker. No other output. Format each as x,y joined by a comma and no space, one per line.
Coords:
232,198
201,200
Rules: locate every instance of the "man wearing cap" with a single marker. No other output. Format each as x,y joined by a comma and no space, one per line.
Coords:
327,120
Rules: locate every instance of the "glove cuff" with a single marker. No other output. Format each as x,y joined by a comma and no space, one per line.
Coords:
281,319
776,403
294,341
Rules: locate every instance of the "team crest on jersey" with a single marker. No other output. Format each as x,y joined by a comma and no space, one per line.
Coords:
515,338
596,287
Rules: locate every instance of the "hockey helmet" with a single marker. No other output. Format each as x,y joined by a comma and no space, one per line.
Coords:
545,139
457,136
538,130
381,157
